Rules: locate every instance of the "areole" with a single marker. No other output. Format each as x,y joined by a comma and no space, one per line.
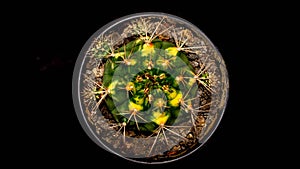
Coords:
150,87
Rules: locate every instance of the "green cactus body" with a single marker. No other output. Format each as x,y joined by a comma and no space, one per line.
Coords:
138,77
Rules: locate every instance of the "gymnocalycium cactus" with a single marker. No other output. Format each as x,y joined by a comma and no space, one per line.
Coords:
152,88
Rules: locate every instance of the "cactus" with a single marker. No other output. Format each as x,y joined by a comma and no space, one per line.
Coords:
155,81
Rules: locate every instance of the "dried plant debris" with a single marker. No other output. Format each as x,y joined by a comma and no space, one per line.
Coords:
153,88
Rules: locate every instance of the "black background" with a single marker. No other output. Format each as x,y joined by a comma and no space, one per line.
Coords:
56,33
